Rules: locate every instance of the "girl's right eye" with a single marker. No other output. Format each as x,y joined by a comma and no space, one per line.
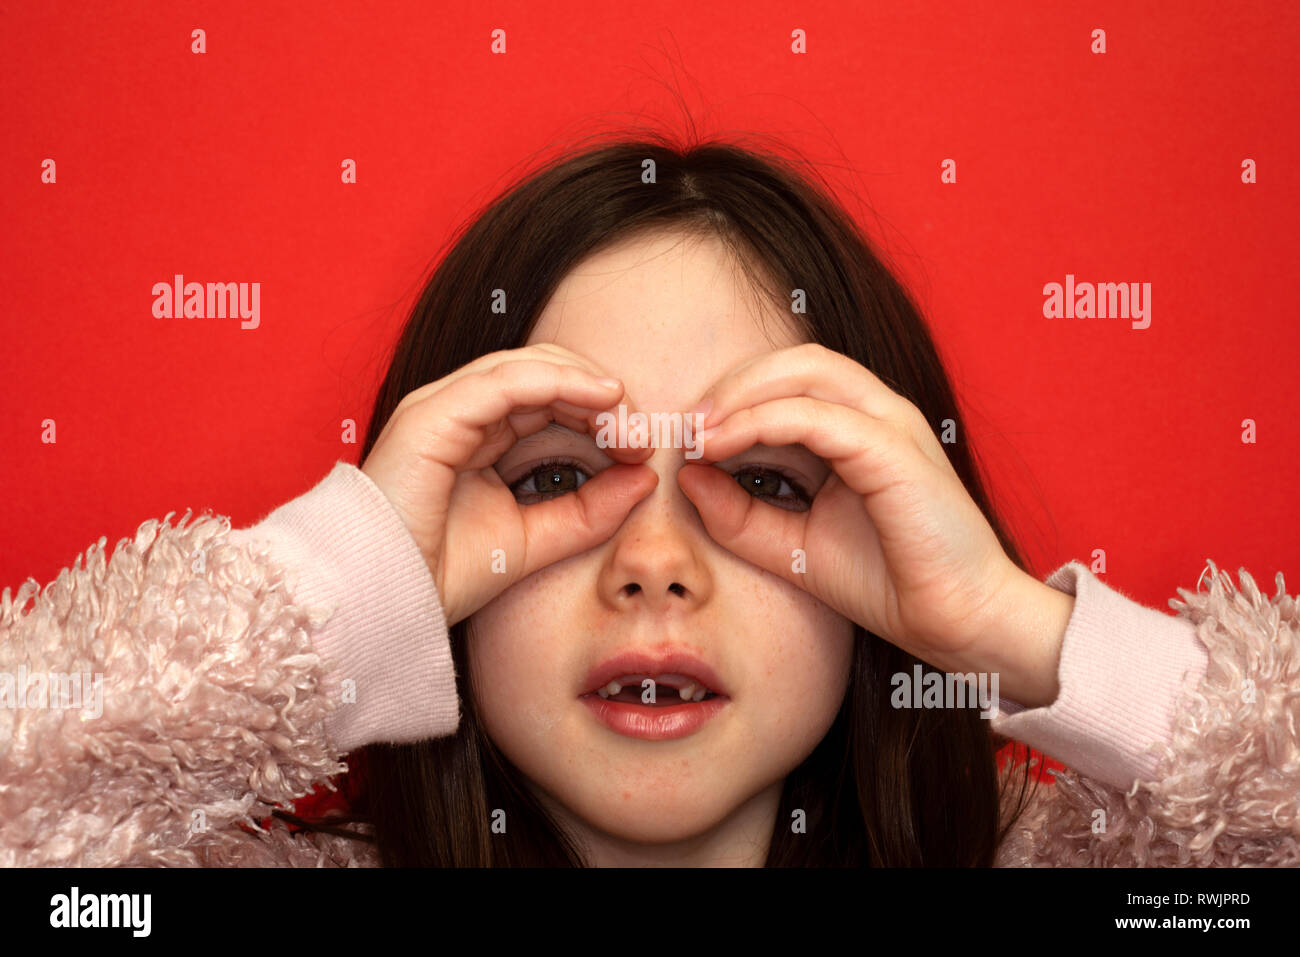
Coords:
549,479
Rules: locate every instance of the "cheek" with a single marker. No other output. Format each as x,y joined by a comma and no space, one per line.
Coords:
518,649
803,676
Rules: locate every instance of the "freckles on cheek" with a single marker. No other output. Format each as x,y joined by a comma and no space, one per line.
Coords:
808,671
808,644
518,661
526,613
514,692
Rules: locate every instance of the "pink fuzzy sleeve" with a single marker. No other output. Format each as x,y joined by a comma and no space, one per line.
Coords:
1180,733
217,673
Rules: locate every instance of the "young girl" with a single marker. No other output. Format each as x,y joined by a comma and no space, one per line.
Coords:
538,642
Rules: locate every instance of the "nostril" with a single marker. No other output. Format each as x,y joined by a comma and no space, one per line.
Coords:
633,588
677,589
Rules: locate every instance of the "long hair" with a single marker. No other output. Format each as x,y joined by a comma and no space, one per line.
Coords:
885,786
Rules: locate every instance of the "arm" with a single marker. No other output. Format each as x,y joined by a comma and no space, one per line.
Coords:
1152,719
218,664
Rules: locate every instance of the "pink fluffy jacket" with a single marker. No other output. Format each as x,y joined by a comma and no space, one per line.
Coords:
224,656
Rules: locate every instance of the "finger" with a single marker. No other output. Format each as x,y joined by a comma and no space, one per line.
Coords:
577,521
468,422
534,418
763,534
819,373
530,419
868,454
543,351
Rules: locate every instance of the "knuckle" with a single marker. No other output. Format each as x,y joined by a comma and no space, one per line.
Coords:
484,362
499,372
810,355
900,429
917,419
811,410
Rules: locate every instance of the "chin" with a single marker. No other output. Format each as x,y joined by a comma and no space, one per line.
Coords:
648,816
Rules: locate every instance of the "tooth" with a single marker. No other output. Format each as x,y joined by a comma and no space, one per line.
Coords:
602,692
687,691
613,687
699,695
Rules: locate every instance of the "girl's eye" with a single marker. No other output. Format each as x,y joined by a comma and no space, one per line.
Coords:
555,477
768,484
549,479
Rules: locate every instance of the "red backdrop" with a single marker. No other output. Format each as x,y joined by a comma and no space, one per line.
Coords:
1122,166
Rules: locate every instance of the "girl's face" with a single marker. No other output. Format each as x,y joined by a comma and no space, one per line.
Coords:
668,314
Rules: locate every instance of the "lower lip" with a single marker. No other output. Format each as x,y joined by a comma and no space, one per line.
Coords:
653,723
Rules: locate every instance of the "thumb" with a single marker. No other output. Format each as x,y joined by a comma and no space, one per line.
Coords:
571,524
760,533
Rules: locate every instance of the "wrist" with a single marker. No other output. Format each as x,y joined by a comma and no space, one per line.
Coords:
1023,637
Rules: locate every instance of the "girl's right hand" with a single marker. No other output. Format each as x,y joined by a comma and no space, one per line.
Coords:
433,461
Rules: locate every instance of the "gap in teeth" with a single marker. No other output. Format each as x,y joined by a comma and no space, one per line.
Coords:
690,691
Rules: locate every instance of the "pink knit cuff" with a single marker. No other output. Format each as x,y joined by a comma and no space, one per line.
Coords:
1123,667
344,548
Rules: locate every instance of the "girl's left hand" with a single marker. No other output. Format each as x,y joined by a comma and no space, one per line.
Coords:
892,540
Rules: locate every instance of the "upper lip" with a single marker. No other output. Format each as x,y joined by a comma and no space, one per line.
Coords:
670,661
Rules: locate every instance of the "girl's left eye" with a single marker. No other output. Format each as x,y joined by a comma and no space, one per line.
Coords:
557,476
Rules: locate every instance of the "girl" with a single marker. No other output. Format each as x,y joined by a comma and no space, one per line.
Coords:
535,645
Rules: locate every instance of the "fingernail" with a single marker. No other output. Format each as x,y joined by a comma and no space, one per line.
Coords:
608,382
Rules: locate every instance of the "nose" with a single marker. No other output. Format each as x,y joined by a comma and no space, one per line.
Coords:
657,563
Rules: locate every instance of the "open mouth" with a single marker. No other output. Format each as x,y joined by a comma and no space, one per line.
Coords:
655,696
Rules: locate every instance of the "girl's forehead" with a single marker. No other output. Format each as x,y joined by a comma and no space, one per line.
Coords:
667,314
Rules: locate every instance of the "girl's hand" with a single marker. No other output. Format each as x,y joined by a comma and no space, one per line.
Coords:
892,540
434,458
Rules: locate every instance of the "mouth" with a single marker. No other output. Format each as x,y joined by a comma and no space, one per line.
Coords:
654,697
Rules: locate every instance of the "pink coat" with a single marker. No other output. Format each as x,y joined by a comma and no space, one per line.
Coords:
224,656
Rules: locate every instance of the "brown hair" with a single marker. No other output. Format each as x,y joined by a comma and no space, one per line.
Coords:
886,786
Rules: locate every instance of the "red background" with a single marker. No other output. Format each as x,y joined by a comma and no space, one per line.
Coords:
225,167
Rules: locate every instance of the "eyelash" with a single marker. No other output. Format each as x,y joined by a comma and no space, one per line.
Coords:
558,463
